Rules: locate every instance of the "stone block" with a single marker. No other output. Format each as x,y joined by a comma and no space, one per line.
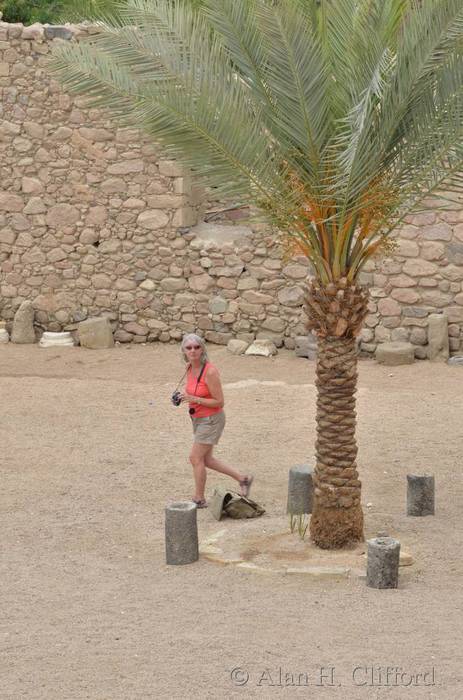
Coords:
185,217
62,215
262,347
274,324
319,572
395,353
23,324
400,334
405,295
421,352
454,314
419,268
125,167
276,338
454,253
11,202
291,296
306,346
153,219
121,336
382,334
95,333
438,338
57,32
237,347
437,232
173,284
219,233
171,168
296,272
201,283
218,338
218,305
33,31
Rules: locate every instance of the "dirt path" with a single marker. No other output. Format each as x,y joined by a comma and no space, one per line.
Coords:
92,450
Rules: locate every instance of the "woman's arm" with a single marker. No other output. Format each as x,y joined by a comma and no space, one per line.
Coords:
215,389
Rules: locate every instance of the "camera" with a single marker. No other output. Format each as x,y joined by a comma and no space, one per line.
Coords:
176,398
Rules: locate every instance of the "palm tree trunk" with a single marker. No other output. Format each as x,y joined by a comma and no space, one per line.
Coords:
336,313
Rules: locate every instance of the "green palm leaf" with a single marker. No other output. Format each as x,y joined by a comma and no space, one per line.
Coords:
335,118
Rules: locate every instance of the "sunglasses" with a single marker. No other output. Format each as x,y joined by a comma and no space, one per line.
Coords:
192,347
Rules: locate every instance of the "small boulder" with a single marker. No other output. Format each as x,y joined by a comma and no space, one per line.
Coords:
95,333
237,347
276,338
4,337
405,558
306,346
23,324
55,31
218,305
262,347
395,353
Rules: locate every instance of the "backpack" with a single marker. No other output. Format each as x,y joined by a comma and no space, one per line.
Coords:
233,505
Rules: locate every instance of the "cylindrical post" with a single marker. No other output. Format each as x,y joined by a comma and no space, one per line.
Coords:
300,489
420,495
383,562
181,533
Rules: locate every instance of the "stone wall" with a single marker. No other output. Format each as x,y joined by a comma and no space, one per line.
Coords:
424,276
94,221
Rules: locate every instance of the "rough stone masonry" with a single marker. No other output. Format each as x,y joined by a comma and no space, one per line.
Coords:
95,222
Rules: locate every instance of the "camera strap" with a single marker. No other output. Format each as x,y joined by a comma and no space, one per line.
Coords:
181,380
197,380
199,377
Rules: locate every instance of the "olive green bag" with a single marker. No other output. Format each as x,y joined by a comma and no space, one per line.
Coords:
233,505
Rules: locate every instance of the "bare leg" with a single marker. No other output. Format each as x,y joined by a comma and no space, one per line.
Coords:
197,454
218,466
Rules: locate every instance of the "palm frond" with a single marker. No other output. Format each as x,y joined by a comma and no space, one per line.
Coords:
335,118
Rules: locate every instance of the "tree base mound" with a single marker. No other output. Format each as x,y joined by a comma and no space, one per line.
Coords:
335,528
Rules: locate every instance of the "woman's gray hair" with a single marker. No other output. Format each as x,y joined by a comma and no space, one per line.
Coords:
193,338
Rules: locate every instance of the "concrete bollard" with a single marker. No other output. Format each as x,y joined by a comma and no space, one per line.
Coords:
383,562
181,533
300,490
420,495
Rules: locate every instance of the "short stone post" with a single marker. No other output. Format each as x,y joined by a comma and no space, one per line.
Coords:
420,495
23,324
300,489
438,337
181,533
383,562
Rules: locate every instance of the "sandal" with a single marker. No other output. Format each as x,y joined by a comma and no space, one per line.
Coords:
246,484
201,503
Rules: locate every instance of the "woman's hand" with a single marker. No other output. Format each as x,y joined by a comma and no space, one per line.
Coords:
187,397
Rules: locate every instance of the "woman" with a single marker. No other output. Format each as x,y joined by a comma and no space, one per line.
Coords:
204,396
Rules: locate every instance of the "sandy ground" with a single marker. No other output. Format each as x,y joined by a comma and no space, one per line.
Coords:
92,450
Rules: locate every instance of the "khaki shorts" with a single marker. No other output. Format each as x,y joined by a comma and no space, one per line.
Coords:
207,430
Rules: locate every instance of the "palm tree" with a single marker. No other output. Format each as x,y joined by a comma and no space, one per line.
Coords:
336,118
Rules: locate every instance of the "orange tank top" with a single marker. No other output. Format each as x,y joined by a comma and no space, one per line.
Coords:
195,388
